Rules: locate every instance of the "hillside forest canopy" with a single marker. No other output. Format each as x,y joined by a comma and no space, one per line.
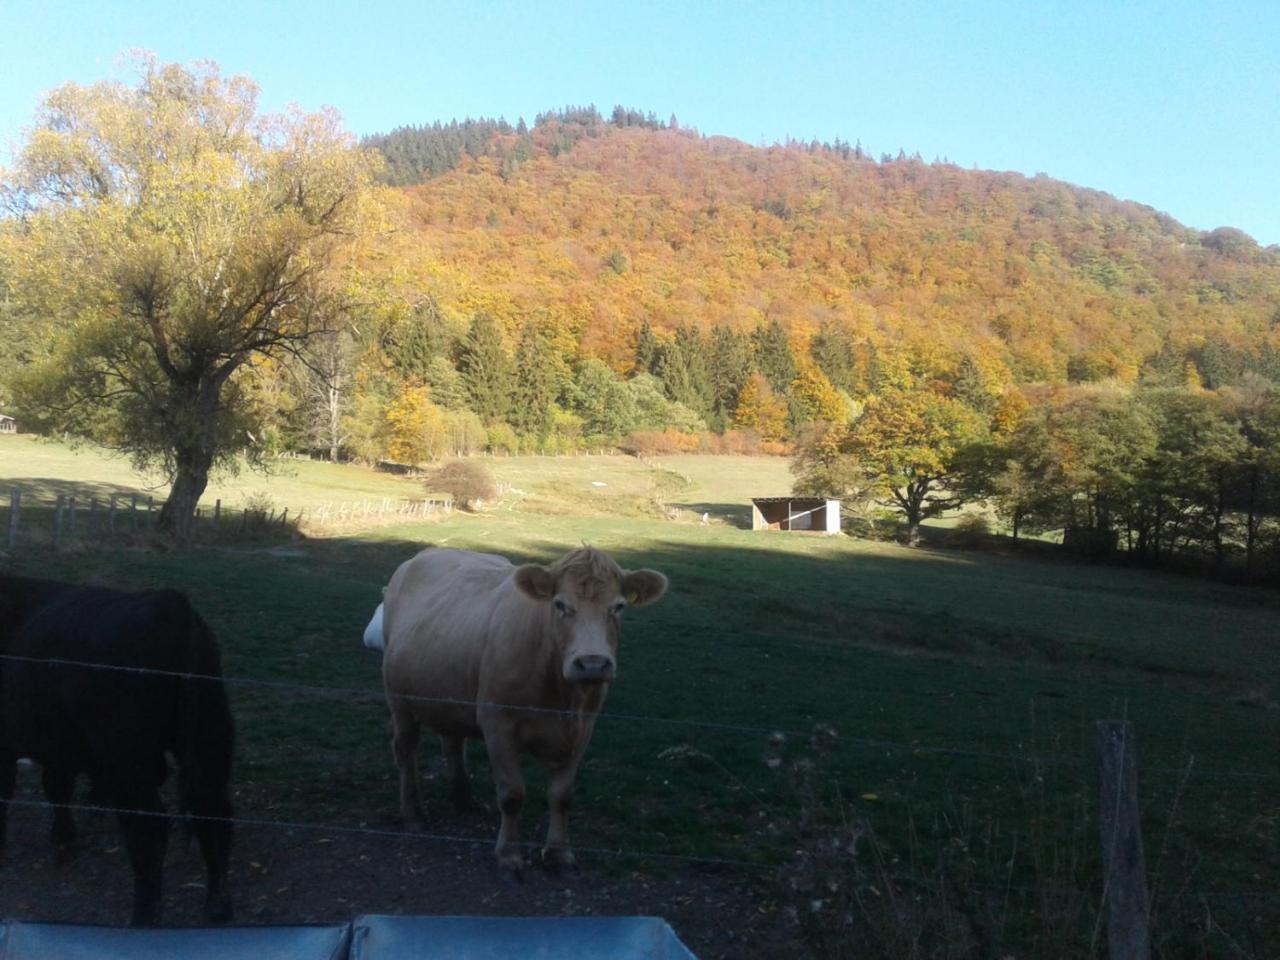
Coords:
193,283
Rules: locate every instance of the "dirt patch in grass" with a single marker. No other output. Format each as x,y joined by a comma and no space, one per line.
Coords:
282,875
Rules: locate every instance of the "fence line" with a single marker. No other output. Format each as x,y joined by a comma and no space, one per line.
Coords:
73,520
825,733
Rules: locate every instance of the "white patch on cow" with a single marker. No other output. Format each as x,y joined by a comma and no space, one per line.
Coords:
373,638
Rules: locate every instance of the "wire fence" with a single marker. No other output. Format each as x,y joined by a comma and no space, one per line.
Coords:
89,518
768,859
830,737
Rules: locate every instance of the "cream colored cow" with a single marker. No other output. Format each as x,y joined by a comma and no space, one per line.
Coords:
520,657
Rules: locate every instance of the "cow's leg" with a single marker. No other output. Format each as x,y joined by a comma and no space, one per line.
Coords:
211,824
556,854
146,832
59,781
504,758
8,778
455,758
405,730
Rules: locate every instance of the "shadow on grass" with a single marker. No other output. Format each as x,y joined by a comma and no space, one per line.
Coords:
734,514
46,490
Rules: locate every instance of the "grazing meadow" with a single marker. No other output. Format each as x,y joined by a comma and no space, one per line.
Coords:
929,711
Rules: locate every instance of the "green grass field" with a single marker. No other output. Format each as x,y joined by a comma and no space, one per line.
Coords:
964,686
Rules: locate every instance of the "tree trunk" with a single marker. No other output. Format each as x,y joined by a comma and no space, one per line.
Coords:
1219,513
913,528
335,421
1251,522
177,516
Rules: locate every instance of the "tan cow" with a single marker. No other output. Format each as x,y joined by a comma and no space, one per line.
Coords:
521,657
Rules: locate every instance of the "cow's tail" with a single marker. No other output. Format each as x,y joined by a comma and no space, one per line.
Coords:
374,637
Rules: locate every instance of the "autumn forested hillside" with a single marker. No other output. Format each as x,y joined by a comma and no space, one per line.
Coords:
596,227
919,335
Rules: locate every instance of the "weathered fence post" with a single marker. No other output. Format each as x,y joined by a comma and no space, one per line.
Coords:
92,522
1123,863
111,515
133,512
15,504
217,510
71,517
57,521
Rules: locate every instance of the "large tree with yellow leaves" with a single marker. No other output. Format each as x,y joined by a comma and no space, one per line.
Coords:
172,237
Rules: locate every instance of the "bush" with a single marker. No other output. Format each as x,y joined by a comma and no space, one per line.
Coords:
971,531
469,482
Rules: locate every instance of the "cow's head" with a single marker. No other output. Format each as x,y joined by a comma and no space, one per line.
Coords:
586,593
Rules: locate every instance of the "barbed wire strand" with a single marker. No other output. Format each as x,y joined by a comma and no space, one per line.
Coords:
617,852
889,746
383,833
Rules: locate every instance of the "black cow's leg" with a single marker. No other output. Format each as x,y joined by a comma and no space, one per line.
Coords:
455,758
146,833
59,781
8,777
212,826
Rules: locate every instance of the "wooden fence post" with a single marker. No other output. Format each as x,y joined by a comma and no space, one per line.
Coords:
71,517
1124,865
92,522
15,504
133,512
217,510
57,521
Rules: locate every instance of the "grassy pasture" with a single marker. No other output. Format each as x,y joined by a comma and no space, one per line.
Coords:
944,672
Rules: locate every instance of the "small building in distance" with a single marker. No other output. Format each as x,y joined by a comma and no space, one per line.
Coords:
814,514
8,424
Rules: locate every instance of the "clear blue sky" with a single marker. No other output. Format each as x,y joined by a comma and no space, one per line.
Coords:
1175,104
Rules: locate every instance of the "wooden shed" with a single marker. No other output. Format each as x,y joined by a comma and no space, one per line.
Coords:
813,514
8,424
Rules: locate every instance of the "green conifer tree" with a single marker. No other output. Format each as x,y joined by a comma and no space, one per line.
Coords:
535,384
486,369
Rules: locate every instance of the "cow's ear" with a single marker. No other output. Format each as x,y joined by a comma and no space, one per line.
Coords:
536,581
643,586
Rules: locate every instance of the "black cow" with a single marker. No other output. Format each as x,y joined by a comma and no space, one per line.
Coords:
118,719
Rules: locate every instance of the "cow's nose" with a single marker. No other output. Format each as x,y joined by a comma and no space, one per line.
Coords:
593,668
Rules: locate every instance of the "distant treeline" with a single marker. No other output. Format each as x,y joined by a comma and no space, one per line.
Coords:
417,153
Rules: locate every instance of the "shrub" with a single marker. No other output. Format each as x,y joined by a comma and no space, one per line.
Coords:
469,482
971,530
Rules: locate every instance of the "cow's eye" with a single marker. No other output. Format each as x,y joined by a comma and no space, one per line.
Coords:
618,607
564,609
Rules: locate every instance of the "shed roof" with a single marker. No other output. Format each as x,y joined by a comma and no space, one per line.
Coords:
792,499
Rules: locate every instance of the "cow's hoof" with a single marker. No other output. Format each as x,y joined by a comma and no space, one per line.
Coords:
558,860
511,870
66,853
